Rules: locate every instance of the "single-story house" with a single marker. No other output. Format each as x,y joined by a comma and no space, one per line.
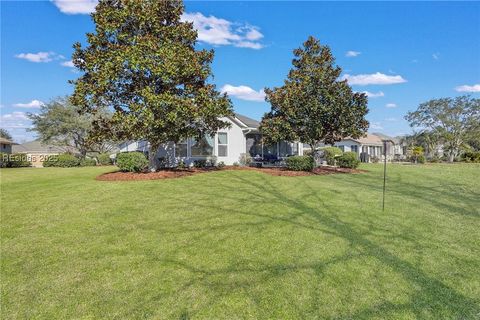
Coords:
370,147
6,145
37,151
228,145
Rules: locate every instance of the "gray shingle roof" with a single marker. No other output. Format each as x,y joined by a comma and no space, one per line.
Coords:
36,146
249,122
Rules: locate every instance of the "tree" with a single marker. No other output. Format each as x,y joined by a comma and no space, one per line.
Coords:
454,119
141,62
5,134
59,123
313,105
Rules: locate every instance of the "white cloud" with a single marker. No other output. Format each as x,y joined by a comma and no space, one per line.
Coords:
352,54
436,56
374,78
391,105
376,126
37,57
467,88
391,119
68,63
31,104
76,6
15,120
243,93
374,94
217,31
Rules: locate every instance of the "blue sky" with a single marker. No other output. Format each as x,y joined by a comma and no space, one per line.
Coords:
402,53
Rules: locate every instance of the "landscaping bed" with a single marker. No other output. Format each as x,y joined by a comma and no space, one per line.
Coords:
178,173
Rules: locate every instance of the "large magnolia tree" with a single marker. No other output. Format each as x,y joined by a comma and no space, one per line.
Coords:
141,62
314,105
454,120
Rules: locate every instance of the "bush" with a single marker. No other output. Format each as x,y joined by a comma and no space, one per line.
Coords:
421,159
88,162
16,160
104,159
200,163
348,160
330,154
65,160
245,159
300,163
236,164
132,161
181,165
221,164
471,156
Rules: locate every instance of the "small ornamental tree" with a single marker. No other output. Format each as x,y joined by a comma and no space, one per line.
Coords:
313,105
141,62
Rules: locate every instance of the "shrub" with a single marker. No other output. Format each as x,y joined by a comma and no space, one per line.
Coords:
471,156
181,165
300,163
65,160
348,160
374,159
202,163
3,159
236,164
132,161
330,154
421,159
245,159
88,162
221,164
16,160
104,159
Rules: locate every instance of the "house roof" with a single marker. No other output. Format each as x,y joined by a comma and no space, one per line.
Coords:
6,141
249,122
386,137
370,139
37,146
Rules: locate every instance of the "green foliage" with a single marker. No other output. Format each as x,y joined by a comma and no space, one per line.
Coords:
5,134
104,159
417,155
201,163
454,120
313,105
471,156
221,165
300,163
236,164
60,123
88,162
245,159
421,159
181,165
330,154
349,160
15,160
64,160
132,161
141,60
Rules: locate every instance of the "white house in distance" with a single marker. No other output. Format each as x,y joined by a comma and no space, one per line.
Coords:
228,145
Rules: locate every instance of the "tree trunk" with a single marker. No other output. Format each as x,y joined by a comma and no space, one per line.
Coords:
451,156
152,156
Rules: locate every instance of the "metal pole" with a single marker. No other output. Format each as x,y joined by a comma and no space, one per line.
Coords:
384,172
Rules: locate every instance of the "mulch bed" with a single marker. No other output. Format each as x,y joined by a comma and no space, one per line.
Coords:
178,173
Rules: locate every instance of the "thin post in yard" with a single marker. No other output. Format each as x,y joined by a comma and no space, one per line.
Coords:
384,172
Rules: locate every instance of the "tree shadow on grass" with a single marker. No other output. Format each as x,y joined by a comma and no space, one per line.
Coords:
432,297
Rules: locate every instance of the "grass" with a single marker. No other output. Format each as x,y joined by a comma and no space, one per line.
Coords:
242,244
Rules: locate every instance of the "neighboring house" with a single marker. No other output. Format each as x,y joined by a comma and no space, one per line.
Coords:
37,151
6,145
228,145
370,147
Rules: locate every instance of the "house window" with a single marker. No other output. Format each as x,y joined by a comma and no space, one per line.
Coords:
342,148
181,149
354,148
202,147
222,144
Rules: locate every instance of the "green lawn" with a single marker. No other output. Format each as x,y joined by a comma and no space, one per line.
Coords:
242,244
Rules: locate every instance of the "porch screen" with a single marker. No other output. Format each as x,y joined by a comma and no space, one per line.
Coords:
181,149
202,147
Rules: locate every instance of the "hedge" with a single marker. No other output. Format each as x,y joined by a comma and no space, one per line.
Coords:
132,161
348,160
104,159
300,163
65,160
15,160
330,154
